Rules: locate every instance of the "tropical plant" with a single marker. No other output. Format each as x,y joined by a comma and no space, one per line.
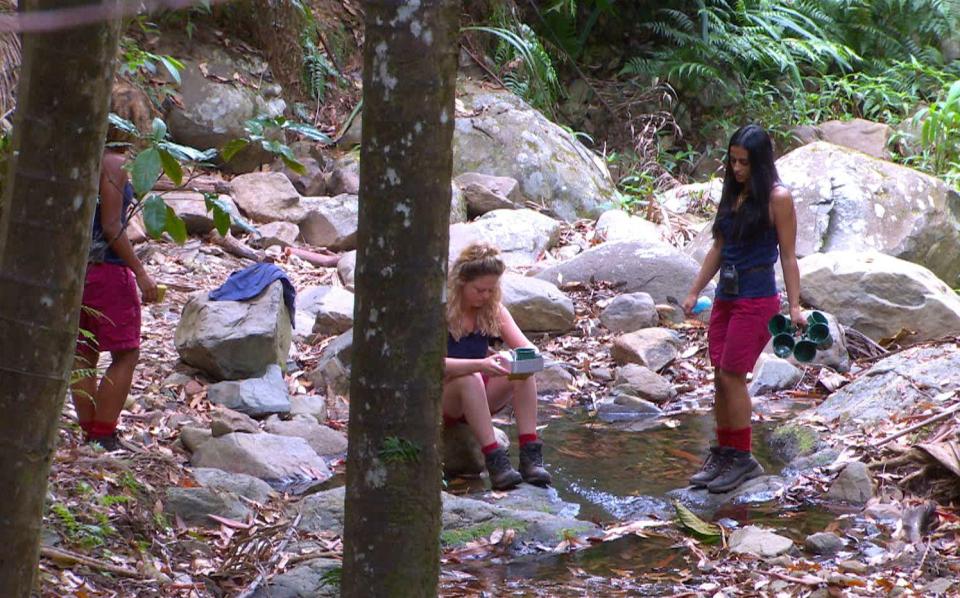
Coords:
268,132
940,133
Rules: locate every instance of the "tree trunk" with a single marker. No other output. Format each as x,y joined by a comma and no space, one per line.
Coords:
392,526
59,128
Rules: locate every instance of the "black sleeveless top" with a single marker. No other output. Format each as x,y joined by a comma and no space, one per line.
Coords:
470,346
100,250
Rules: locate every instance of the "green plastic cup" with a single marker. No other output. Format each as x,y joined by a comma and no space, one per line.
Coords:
783,345
525,353
816,317
804,351
819,334
780,324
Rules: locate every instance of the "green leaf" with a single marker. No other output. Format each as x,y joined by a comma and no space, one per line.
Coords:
123,124
221,220
309,132
173,67
293,164
172,167
700,529
146,170
187,154
231,148
154,215
159,130
176,226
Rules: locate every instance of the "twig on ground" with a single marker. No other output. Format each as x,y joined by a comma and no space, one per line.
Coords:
65,556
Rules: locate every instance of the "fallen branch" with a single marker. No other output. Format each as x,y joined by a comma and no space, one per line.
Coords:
235,247
807,580
249,591
917,426
66,557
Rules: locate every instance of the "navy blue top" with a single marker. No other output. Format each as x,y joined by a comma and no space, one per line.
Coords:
100,250
250,282
470,346
753,258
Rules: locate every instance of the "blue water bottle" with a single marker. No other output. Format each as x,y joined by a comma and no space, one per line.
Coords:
703,304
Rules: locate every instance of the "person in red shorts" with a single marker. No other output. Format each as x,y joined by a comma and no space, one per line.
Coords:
111,308
755,223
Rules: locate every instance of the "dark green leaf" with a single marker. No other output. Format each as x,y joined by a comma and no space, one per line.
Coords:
172,167
175,226
154,215
293,165
146,170
309,132
221,220
123,124
231,148
187,154
173,67
159,130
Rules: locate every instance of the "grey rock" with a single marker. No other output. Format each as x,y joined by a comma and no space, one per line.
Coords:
635,379
791,441
235,339
346,269
191,207
758,542
771,374
266,456
225,421
650,347
858,134
484,193
686,198
192,437
255,397
939,586
853,485
330,222
892,386
521,235
308,580
553,379
670,314
649,266
325,441
279,233
527,497
536,305
345,176
312,183
763,489
503,136
240,484
314,406
824,543
333,366
617,225
461,451
194,505
267,197
625,407
334,312
629,312
879,295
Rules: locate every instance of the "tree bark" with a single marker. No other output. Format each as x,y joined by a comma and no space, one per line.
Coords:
392,519
50,193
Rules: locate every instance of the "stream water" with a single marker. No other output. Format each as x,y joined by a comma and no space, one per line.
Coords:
621,471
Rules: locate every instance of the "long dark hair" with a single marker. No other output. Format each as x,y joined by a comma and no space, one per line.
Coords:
753,217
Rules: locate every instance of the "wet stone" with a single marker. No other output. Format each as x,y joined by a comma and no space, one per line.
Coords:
824,543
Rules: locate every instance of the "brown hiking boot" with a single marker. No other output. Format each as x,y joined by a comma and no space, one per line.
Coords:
711,467
739,466
502,475
531,464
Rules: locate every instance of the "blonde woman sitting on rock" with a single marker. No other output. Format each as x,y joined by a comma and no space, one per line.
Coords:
475,382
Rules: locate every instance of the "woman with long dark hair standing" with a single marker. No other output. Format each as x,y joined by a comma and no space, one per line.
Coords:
755,223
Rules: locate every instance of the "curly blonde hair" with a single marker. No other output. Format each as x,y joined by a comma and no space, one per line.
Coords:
475,261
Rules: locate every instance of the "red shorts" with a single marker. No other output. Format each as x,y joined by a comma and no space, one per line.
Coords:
111,291
738,331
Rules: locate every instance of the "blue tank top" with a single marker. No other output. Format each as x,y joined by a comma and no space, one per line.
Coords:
753,258
100,250
470,346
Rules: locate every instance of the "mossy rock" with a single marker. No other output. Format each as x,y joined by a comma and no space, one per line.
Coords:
794,440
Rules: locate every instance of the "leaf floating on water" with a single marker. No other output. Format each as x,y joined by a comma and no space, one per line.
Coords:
700,529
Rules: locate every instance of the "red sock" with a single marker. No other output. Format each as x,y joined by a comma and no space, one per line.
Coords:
525,438
101,429
741,439
490,448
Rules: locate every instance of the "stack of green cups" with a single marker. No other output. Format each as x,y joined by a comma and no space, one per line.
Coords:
816,338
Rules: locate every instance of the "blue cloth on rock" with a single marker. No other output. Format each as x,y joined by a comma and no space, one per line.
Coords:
251,281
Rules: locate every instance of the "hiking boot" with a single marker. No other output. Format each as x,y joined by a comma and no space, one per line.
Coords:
502,475
711,467
531,464
738,467
107,443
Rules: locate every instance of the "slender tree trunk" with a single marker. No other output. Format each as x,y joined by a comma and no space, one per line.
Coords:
391,536
59,128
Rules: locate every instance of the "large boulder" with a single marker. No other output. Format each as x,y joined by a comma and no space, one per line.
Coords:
256,397
325,441
497,133
629,312
211,113
461,451
536,305
267,197
485,193
521,235
653,348
693,197
653,267
879,295
894,386
235,339
334,312
862,135
195,505
847,200
270,457
330,221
